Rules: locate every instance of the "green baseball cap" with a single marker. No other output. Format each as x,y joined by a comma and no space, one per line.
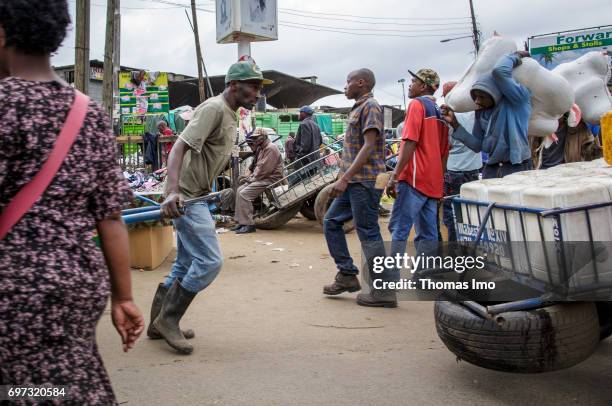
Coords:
427,76
245,70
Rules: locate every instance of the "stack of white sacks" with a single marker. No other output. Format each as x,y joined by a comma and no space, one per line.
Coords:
563,186
582,81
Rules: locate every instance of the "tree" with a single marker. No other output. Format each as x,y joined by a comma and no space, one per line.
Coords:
547,57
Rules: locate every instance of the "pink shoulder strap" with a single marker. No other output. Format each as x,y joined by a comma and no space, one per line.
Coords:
29,194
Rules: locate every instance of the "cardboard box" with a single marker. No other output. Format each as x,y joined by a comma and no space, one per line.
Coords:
150,246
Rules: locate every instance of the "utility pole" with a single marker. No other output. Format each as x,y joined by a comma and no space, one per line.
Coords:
198,52
475,28
208,85
81,63
402,81
111,55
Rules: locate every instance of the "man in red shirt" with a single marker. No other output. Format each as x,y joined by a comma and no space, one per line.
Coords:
418,179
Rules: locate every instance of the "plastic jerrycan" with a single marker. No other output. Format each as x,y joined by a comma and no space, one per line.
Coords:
606,136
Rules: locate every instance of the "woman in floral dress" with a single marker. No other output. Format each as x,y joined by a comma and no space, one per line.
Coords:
54,281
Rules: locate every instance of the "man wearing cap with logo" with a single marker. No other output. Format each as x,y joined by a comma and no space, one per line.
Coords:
418,179
308,138
197,158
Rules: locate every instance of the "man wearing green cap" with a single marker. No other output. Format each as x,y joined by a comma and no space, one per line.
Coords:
196,160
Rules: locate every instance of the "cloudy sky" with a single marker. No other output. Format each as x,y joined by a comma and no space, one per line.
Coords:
394,35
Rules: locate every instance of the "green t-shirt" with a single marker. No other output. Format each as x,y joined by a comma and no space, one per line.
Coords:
211,134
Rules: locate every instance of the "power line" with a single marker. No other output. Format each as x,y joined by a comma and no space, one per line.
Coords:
376,22
135,8
375,18
293,25
368,17
373,29
304,14
340,30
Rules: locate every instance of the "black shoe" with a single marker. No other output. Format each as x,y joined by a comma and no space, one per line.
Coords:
175,304
246,230
383,212
377,300
158,299
236,227
342,283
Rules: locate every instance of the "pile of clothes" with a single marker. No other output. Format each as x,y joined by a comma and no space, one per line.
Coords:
141,181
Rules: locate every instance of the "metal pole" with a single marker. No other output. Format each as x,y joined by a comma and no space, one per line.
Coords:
475,28
201,88
81,65
404,94
244,48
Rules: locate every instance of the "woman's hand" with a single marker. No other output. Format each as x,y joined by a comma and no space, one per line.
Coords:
128,321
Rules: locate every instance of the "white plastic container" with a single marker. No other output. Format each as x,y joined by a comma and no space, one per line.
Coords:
477,190
509,221
572,225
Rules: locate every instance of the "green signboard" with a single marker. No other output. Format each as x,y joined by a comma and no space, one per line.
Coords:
143,92
554,49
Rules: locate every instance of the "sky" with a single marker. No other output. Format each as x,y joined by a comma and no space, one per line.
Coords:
395,35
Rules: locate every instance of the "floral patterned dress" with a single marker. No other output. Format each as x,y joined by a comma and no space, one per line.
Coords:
54,282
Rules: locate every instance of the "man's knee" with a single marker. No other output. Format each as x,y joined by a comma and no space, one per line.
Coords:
207,269
249,194
332,224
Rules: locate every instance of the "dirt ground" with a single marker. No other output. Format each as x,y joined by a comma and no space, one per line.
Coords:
266,335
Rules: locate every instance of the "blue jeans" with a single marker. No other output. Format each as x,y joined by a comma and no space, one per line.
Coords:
198,253
453,180
359,202
413,208
501,170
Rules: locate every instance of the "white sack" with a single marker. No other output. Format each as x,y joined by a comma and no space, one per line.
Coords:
551,96
491,51
588,76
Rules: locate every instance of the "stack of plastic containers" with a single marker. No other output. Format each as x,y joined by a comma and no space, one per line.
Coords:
563,186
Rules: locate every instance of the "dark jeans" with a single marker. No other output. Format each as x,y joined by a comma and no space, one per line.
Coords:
452,186
359,202
302,170
500,170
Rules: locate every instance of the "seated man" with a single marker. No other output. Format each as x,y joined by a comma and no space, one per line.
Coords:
502,118
266,169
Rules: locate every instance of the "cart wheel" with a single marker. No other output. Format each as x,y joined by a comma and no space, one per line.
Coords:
540,340
278,218
308,209
322,203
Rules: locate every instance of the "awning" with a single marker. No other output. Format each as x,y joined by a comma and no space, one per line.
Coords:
286,92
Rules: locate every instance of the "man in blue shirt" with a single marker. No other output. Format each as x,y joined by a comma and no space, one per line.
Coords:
463,165
502,119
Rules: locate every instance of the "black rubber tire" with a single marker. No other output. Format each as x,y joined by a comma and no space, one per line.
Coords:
322,203
604,312
278,218
532,341
308,209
